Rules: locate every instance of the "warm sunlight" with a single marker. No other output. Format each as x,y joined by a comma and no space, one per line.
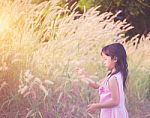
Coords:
4,22
51,64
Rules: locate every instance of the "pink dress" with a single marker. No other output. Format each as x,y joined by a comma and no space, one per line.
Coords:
105,95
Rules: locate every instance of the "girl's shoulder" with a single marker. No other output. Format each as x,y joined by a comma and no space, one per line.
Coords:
117,76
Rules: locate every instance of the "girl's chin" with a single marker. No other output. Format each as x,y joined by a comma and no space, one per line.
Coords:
109,69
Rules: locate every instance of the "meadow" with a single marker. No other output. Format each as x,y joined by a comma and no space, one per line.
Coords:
42,44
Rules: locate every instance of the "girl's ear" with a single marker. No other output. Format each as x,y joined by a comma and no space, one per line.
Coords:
115,59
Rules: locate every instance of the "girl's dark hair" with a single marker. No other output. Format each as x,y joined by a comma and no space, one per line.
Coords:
116,50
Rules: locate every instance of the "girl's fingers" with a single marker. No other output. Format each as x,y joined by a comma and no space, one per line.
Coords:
92,111
88,109
80,72
89,105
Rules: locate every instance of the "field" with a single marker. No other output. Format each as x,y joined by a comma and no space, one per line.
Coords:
42,44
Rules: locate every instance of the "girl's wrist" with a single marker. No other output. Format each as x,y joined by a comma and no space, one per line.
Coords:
98,105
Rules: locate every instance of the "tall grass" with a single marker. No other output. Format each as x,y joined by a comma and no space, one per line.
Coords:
139,65
42,44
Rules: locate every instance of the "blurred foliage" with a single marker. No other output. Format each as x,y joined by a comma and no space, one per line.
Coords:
135,7
86,4
137,12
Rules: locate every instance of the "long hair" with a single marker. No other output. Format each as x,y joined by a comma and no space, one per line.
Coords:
116,50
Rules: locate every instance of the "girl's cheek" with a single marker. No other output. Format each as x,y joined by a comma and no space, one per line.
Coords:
106,64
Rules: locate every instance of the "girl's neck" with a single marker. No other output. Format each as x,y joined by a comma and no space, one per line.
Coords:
113,70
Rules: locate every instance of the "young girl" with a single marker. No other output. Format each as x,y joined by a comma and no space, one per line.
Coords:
111,88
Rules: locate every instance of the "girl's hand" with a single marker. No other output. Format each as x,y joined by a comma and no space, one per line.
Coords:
85,77
81,72
92,108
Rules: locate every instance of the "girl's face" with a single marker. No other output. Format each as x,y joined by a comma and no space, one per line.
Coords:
108,62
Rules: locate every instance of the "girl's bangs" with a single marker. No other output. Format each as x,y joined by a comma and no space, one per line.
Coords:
105,51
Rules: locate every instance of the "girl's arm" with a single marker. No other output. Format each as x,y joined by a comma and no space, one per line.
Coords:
114,89
90,82
85,77
96,85
113,85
